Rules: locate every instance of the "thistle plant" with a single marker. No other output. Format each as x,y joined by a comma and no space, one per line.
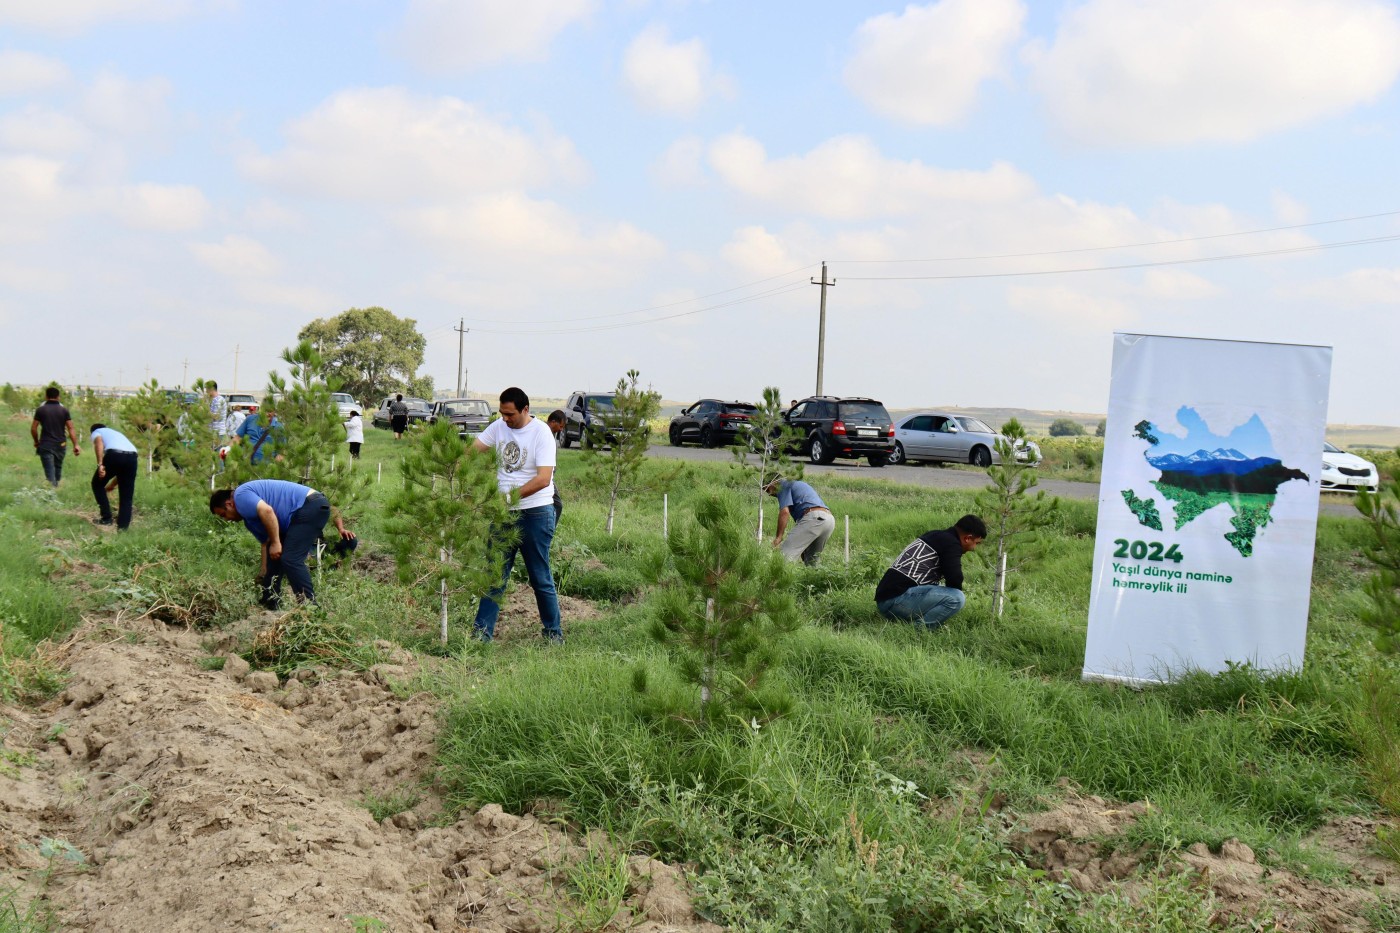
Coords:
449,525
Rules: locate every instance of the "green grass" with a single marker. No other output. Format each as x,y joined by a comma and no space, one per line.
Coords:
819,820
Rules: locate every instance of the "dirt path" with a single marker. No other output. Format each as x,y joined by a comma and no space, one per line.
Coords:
156,795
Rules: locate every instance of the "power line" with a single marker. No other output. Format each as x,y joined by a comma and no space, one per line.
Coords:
1097,249
1282,251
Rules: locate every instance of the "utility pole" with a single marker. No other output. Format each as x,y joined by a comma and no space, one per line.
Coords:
236,348
185,379
461,332
148,373
821,327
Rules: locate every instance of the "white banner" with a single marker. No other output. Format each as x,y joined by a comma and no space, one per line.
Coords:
1207,507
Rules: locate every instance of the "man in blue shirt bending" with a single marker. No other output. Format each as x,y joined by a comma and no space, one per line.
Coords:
117,461
287,518
813,522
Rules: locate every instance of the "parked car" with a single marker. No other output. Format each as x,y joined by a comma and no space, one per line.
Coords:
1347,472
238,401
418,411
852,427
181,396
470,415
936,436
585,409
711,422
345,403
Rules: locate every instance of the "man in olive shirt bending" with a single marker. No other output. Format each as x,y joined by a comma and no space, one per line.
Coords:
910,589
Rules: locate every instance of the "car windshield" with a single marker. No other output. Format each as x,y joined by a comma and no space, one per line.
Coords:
972,424
864,411
739,408
1330,449
417,403
241,398
472,407
341,398
600,403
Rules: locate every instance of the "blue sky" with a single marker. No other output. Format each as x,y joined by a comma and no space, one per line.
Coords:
596,186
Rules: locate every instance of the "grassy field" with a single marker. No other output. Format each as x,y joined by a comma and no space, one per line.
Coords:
870,806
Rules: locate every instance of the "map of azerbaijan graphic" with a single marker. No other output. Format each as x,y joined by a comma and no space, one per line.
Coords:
1203,470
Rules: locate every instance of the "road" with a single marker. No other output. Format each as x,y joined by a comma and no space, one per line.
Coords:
940,477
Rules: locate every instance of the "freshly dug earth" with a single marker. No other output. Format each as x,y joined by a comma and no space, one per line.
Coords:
195,800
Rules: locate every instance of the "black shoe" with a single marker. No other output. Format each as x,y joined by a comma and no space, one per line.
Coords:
104,521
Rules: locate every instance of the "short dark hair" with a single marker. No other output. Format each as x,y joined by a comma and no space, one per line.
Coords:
51,392
211,384
399,397
557,415
96,426
218,498
972,525
517,397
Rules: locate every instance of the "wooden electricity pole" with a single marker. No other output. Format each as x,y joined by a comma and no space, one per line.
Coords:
461,332
821,327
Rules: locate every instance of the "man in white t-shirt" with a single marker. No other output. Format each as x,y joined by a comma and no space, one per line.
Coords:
525,457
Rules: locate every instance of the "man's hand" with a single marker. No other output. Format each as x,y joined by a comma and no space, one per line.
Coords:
346,534
76,451
101,471
274,549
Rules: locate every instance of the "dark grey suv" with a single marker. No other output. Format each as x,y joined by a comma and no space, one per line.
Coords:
470,415
835,426
584,410
711,422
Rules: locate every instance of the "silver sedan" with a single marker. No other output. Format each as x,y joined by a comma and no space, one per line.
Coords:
937,436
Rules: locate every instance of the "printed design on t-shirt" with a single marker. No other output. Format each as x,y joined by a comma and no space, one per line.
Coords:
512,456
919,562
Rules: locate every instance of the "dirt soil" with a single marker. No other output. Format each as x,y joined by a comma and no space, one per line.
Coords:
155,795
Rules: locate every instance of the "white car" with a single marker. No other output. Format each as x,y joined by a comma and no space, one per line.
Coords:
939,436
1347,472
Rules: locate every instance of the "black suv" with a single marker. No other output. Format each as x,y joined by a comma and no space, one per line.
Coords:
834,427
470,415
585,409
711,422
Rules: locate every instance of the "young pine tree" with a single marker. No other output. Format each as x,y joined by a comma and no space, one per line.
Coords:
449,525
1014,517
1382,510
724,605
150,416
762,453
617,468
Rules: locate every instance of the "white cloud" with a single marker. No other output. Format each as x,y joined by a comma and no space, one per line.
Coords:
1177,72
1359,287
926,64
1070,309
847,177
235,256
682,165
511,223
42,131
460,35
1176,285
149,206
757,252
72,16
386,144
669,77
27,72
127,107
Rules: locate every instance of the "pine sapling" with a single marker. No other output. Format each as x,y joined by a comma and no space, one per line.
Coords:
1014,517
616,444
724,605
1382,510
763,452
449,524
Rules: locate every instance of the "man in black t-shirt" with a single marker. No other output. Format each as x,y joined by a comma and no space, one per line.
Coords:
51,420
910,590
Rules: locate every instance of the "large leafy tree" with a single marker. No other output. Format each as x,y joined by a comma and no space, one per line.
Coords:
369,351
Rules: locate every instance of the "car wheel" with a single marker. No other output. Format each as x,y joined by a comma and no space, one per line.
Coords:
981,457
675,436
877,460
707,437
896,456
817,451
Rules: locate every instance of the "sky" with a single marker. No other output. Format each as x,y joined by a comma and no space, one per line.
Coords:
996,187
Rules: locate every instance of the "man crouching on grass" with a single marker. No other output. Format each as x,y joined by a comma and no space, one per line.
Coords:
287,518
910,589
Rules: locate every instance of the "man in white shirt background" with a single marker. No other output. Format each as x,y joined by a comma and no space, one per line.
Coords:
525,459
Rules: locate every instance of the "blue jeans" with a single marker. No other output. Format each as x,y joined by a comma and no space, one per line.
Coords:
536,529
929,606
52,459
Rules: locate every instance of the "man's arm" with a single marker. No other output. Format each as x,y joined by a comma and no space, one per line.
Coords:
345,533
478,446
273,548
950,562
543,478
34,432
98,449
72,435
783,515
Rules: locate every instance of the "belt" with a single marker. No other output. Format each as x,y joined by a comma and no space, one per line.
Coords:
817,508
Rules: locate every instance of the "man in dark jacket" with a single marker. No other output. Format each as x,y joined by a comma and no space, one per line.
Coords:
50,422
910,589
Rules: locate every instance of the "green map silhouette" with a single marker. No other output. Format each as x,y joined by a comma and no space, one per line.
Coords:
1204,470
